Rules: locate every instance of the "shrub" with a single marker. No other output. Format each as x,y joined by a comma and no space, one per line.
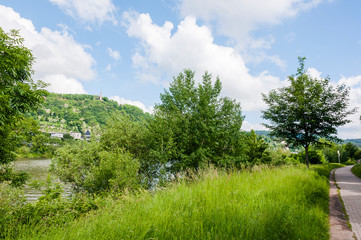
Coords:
90,168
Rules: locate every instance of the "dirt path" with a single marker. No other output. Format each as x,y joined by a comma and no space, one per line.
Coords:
350,190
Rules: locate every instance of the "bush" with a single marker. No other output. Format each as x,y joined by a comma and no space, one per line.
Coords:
90,168
314,157
350,161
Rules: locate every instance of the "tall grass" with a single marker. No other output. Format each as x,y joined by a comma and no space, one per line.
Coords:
265,203
356,170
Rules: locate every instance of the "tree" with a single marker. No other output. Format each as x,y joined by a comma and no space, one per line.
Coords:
18,92
307,110
202,128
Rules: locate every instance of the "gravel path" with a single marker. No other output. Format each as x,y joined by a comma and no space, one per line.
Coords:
350,189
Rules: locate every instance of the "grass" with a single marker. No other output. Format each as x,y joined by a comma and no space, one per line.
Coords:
265,203
356,170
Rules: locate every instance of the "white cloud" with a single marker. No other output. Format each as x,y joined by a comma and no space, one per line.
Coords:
94,11
108,68
139,104
163,55
238,18
62,84
113,54
56,52
314,73
353,129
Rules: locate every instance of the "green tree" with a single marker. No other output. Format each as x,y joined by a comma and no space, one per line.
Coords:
307,110
203,127
255,148
19,93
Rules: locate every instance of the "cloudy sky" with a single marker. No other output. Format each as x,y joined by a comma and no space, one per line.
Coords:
130,50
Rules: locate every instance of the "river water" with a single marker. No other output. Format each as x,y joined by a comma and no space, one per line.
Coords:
38,170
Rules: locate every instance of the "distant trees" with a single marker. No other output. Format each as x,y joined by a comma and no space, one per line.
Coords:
307,110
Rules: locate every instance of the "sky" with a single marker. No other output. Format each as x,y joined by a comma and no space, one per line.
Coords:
131,50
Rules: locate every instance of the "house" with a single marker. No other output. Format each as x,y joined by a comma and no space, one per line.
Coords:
87,135
56,135
76,135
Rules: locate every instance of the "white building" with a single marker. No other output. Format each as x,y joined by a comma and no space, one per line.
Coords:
76,135
56,135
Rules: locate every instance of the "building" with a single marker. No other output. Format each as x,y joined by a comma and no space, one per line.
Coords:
76,135
87,135
56,135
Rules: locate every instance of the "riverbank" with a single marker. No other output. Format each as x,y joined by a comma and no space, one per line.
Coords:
264,203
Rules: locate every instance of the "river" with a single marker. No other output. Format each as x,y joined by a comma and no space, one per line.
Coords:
38,170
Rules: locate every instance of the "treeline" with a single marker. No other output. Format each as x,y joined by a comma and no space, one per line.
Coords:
191,129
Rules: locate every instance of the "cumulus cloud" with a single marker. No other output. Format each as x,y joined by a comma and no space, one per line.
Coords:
57,54
113,54
94,11
163,55
238,18
314,73
139,104
62,84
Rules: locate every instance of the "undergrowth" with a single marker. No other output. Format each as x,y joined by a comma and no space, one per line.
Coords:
265,203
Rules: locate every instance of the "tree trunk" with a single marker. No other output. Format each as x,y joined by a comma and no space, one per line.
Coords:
306,154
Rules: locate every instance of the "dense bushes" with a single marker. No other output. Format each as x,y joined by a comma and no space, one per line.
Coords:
90,168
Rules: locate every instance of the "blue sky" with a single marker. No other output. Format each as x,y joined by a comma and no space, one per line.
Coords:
130,50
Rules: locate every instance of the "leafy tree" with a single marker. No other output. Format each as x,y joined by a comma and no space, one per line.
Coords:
19,93
202,128
255,148
307,110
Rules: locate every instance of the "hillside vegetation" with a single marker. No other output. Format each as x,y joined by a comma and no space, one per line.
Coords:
80,112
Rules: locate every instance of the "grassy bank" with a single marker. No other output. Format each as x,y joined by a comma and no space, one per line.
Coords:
356,170
268,203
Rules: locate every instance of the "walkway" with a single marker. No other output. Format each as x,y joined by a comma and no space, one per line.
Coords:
350,189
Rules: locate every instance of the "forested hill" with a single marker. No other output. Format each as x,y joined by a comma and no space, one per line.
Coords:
80,112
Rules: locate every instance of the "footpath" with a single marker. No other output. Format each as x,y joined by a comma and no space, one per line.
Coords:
350,190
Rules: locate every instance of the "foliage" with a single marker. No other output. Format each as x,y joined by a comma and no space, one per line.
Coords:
314,157
52,209
198,126
19,93
15,179
91,168
81,112
255,148
265,203
356,170
307,110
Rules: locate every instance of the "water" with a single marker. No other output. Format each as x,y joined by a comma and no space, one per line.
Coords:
38,170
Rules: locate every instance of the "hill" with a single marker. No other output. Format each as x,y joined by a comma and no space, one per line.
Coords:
81,112
356,142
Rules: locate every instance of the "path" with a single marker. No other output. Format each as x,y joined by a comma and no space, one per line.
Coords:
350,189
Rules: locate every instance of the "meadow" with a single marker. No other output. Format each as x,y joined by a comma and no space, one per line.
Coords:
289,202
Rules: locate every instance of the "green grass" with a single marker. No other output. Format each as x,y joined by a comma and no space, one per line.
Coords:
265,203
356,170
